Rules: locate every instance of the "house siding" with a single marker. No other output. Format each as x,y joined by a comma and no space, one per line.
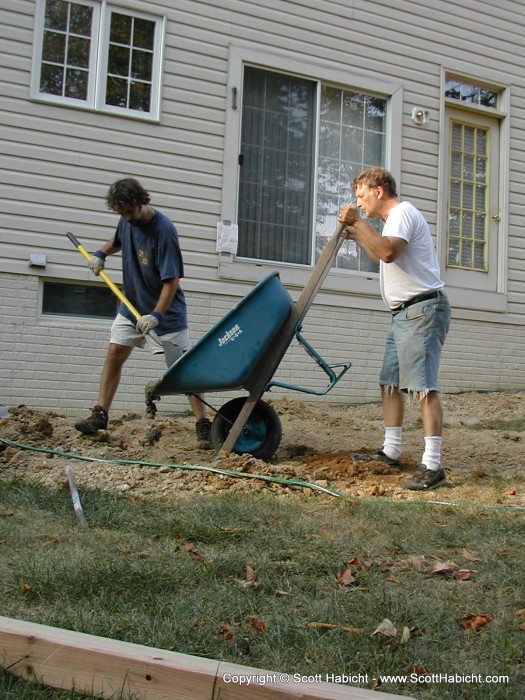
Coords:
57,162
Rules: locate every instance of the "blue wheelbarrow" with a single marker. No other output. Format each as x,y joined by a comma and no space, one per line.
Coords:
243,351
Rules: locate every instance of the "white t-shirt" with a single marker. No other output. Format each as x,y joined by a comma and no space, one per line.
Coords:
416,270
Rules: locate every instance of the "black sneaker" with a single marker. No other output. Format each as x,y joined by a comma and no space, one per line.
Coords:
377,455
97,421
203,430
425,479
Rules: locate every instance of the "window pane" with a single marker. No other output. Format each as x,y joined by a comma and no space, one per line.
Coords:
467,205
275,188
56,15
140,97
80,20
78,52
130,69
120,30
118,60
66,46
359,126
52,79
116,92
141,65
144,34
54,47
469,93
62,299
76,84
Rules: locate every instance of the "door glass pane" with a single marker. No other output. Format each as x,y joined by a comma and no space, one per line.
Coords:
467,200
352,135
279,138
275,191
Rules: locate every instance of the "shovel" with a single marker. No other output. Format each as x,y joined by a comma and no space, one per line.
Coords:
171,352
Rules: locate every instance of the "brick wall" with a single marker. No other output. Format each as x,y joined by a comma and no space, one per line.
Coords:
55,363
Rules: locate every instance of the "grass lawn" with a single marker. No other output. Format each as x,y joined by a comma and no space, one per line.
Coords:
298,584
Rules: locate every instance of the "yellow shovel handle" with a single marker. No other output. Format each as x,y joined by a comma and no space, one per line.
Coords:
105,277
114,288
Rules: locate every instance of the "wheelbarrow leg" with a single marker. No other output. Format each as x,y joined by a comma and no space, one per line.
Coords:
266,369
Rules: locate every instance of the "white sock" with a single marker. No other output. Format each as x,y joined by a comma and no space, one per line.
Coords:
392,443
432,454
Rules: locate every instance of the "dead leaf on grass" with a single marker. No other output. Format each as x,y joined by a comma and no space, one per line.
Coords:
445,567
346,577
386,627
251,579
192,551
475,621
52,540
260,626
469,556
520,613
229,633
393,579
462,575
521,627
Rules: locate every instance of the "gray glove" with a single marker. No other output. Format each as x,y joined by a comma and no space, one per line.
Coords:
146,323
97,262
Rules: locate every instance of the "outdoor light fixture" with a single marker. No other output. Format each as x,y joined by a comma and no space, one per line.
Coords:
420,116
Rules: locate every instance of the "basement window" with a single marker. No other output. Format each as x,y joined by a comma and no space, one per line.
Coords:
78,300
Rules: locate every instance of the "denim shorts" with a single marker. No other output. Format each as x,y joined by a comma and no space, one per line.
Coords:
123,332
413,346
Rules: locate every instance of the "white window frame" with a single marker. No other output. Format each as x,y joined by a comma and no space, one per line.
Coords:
229,267
473,292
98,62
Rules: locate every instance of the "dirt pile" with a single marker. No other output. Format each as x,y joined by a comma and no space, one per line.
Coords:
483,453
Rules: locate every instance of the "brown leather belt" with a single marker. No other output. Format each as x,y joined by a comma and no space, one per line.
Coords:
421,297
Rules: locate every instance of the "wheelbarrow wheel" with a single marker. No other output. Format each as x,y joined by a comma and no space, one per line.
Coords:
261,434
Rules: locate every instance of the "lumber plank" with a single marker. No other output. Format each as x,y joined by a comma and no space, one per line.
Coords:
108,668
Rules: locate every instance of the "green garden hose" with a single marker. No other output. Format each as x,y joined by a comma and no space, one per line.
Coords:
245,475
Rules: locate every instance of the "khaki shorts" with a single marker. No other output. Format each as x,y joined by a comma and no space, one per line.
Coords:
123,332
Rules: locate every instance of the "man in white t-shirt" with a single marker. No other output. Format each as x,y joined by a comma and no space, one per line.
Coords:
413,291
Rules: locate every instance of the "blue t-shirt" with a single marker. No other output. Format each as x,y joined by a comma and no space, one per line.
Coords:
151,255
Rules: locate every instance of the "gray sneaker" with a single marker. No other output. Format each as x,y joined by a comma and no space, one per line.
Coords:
376,455
425,479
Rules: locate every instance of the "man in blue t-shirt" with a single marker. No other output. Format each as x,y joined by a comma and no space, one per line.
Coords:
152,268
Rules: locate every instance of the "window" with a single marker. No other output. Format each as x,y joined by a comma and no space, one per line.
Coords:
473,248
68,299
96,56
467,237
297,161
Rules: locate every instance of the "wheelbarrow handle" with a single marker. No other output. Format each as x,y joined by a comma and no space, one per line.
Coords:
113,286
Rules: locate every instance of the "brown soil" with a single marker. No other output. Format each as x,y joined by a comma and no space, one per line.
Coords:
483,457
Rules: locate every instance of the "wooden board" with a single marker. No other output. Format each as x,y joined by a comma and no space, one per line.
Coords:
108,668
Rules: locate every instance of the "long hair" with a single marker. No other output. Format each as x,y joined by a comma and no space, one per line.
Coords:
126,191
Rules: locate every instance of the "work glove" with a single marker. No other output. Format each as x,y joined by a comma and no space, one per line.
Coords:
146,323
97,262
